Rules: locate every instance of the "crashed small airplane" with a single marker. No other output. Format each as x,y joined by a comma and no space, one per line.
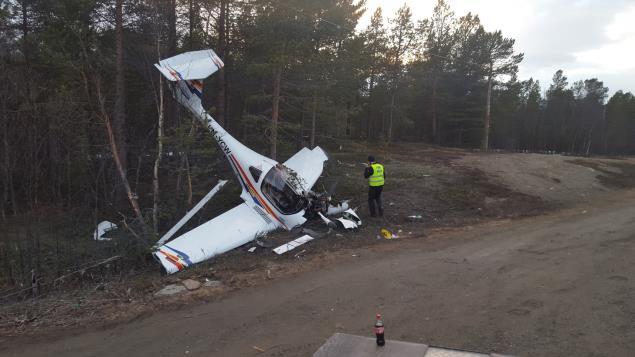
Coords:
275,195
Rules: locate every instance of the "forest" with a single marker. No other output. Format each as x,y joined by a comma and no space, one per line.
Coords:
89,130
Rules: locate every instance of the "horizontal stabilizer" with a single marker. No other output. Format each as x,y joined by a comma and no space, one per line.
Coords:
190,65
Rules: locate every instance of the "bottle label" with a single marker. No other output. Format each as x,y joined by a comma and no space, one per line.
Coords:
379,330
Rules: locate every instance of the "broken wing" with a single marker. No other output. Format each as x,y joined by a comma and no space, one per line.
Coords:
308,164
231,229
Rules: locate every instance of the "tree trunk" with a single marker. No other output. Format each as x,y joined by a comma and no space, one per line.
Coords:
184,166
119,114
5,166
220,77
390,119
275,111
605,131
171,109
157,161
486,123
115,153
433,106
25,31
188,176
588,143
313,118
347,120
300,143
191,23
171,15
369,125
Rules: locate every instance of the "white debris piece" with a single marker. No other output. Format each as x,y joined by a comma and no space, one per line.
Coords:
342,207
102,228
351,215
294,243
252,249
326,220
348,224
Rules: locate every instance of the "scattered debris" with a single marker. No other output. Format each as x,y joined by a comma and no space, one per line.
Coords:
386,234
191,284
350,214
415,217
103,228
327,221
258,349
341,207
170,290
252,249
293,244
349,220
347,224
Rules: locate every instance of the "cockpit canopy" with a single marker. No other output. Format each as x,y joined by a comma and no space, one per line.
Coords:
277,187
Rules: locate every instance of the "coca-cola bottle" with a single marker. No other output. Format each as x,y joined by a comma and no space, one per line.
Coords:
379,331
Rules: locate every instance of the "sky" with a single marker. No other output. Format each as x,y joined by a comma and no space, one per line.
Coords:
584,38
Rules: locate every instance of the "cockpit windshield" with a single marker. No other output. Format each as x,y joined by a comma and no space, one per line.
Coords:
275,187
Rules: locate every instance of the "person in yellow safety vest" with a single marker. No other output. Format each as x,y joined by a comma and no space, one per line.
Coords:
376,176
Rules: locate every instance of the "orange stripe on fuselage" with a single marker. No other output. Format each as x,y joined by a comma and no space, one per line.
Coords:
255,192
197,84
173,259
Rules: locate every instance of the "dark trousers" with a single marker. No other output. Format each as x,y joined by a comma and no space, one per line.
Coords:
374,200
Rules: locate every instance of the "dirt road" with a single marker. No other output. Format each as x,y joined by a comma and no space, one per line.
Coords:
556,285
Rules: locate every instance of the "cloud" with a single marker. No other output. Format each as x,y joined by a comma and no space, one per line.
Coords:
585,38
558,29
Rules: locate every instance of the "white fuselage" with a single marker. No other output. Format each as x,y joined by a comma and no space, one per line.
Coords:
267,186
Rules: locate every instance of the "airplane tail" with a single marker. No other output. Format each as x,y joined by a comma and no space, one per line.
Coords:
186,73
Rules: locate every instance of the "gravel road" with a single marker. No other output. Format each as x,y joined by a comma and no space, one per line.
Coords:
555,285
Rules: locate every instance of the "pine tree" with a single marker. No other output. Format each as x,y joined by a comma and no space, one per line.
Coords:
498,59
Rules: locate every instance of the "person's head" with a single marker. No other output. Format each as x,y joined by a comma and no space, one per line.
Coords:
371,158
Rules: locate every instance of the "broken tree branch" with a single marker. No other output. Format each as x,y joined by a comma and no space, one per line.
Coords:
115,153
102,262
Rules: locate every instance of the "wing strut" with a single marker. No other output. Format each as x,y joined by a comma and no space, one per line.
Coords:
191,213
